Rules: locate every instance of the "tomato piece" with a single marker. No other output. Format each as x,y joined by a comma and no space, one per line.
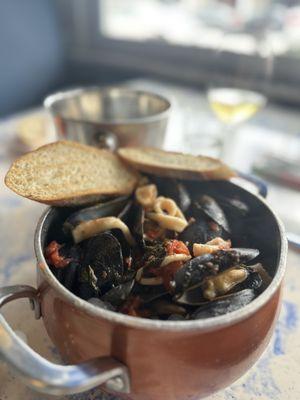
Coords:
176,247
54,258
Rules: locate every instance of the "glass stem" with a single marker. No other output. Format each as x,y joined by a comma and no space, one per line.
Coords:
228,143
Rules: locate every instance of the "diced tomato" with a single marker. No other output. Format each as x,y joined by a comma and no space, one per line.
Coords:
176,247
53,257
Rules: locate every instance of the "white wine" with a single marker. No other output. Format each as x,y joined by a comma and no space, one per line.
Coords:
233,106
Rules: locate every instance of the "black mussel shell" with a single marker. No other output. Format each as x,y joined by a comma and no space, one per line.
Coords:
103,254
126,214
192,297
201,231
263,273
237,213
234,207
119,235
173,189
106,209
59,274
149,293
68,275
193,272
234,256
253,281
85,290
224,305
118,294
211,209
138,225
166,307
258,278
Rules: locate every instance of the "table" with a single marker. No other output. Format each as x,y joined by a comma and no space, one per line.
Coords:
276,376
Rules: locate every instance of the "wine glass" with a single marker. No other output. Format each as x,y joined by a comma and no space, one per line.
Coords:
238,88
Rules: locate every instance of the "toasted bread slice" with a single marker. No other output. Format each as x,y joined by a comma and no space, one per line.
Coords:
175,165
69,174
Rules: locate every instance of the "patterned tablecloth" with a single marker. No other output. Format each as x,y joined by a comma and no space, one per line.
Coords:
276,376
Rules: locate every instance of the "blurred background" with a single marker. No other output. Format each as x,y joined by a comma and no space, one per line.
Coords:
229,67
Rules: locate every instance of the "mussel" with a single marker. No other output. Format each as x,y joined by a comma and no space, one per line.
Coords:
262,272
208,222
68,274
253,281
213,286
109,208
126,257
118,294
211,209
149,293
166,308
233,206
138,225
224,305
200,231
193,272
173,189
103,255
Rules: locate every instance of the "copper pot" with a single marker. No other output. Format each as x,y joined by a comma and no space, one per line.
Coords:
144,359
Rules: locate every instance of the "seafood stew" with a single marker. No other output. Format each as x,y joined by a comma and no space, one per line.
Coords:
175,250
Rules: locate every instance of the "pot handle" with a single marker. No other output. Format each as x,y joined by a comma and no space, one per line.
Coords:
46,377
261,186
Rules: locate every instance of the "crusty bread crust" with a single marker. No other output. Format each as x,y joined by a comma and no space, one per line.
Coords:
23,175
155,161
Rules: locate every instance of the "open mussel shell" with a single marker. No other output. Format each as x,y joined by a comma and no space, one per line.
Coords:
211,209
173,189
103,254
193,272
224,305
215,286
110,208
118,294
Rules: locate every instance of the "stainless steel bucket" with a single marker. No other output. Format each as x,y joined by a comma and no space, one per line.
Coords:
85,114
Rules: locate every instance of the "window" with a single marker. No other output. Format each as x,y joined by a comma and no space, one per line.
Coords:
177,39
247,24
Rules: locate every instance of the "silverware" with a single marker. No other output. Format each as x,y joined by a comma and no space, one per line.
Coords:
87,114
